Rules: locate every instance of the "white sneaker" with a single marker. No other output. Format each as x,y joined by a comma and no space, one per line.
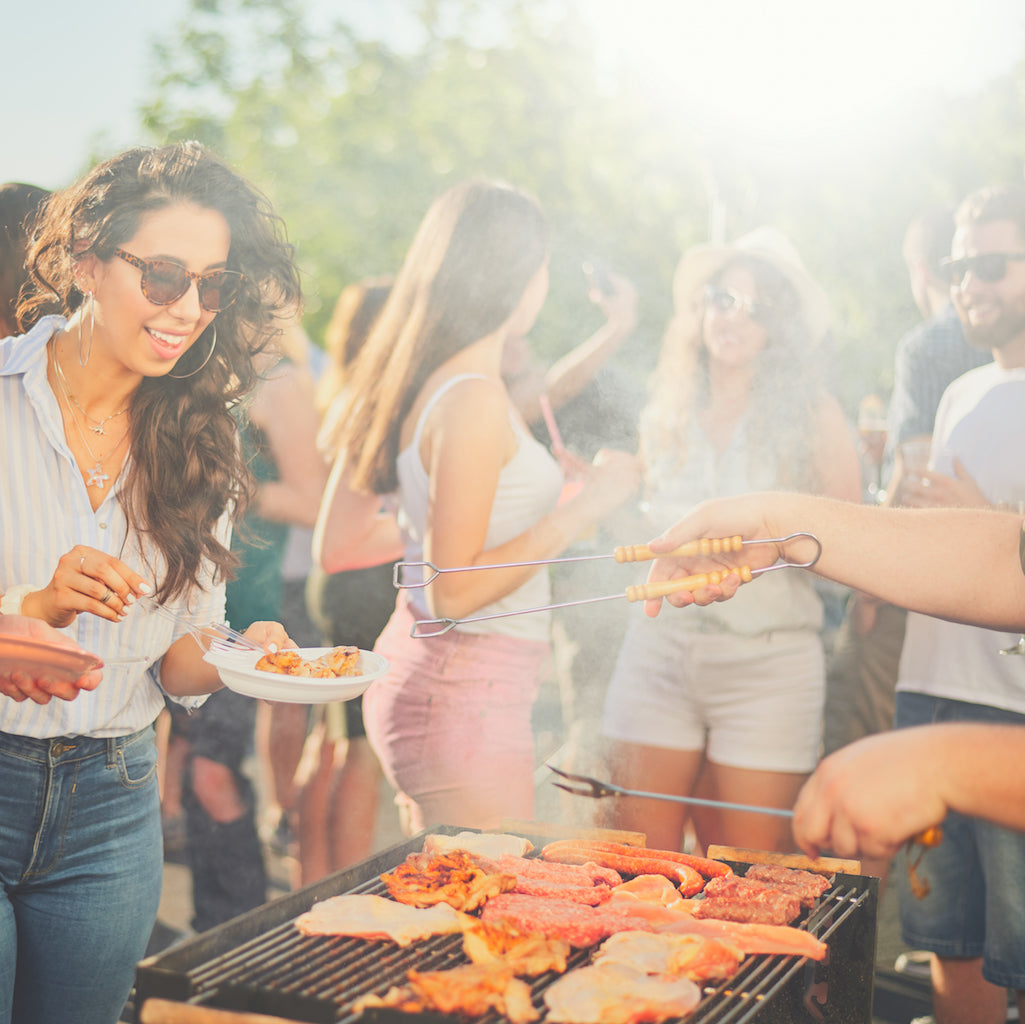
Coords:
916,963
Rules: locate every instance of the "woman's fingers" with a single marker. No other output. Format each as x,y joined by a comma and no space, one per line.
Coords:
110,586
271,635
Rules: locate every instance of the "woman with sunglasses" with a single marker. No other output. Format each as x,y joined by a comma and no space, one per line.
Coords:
729,704
165,274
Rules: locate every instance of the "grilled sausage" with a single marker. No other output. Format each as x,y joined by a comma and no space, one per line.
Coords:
702,865
631,861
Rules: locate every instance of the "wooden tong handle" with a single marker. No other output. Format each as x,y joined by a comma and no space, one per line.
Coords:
647,591
705,546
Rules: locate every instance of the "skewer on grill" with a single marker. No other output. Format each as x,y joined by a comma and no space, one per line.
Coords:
631,553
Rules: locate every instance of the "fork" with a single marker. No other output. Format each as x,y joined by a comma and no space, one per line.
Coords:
593,788
213,636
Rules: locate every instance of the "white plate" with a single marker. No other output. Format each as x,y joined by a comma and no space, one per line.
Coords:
237,673
43,659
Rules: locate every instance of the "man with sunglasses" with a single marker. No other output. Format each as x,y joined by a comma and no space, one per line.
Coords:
862,671
973,919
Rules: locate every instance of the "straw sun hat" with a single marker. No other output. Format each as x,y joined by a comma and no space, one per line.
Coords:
702,262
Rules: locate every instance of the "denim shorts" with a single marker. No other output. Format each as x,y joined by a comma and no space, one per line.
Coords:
976,902
80,872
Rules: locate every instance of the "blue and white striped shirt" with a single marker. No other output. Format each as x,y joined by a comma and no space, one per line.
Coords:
44,512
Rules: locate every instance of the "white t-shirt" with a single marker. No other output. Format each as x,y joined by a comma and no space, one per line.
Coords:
981,422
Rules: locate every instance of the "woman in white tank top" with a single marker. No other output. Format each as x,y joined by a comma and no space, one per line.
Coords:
430,419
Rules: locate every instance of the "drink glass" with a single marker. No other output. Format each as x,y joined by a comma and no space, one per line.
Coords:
915,456
872,435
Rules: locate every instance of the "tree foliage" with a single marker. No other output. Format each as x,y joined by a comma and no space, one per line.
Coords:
353,136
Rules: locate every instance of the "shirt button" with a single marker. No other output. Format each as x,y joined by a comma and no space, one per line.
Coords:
103,526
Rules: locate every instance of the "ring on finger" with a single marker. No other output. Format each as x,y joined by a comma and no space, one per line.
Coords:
107,596
81,564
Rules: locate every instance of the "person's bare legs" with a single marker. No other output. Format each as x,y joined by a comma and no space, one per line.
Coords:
313,803
280,737
653,770
961,995
355,794
741,828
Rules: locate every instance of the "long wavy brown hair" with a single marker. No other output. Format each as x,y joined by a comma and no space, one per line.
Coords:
469,264
787,380
185,468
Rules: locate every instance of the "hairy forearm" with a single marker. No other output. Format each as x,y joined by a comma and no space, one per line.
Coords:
958,564
980,771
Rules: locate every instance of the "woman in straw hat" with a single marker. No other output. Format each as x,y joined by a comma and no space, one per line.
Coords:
728,702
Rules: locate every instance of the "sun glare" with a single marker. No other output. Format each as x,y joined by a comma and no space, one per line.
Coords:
800,74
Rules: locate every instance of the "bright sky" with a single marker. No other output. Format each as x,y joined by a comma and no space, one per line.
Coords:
82,72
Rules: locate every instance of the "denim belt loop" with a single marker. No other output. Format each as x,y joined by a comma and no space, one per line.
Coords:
116,744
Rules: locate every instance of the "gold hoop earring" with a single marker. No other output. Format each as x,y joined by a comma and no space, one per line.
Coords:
84,360
182,376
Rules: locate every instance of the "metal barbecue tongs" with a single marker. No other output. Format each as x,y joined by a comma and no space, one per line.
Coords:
914,848
631,553
586,786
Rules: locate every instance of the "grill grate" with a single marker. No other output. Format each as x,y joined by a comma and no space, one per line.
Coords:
318,978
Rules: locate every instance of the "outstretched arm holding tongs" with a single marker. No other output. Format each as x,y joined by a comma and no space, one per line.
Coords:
957,564
960,564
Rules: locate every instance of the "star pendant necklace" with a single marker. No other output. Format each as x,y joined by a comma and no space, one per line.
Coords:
96,476
95,425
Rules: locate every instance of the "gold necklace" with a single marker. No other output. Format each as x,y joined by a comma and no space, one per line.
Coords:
96,425
96,477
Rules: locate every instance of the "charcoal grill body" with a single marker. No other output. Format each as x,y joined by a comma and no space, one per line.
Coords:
259,962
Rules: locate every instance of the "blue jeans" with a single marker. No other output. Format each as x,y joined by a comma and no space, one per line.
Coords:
80,864
976,875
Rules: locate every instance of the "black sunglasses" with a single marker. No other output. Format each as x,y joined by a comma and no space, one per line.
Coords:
164,282
988,266
726,301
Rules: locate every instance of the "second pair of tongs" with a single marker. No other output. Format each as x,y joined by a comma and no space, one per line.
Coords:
633,553
584,785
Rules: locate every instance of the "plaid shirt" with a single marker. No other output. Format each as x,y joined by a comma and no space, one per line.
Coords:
928,358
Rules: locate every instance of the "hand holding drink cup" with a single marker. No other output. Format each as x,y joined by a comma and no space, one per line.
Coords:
913,473
923,486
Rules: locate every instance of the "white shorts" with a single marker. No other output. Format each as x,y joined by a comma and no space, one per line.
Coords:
748,702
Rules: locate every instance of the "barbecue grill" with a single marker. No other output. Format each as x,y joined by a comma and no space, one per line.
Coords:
260,963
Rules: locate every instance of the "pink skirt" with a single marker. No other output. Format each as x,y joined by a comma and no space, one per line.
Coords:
451,723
